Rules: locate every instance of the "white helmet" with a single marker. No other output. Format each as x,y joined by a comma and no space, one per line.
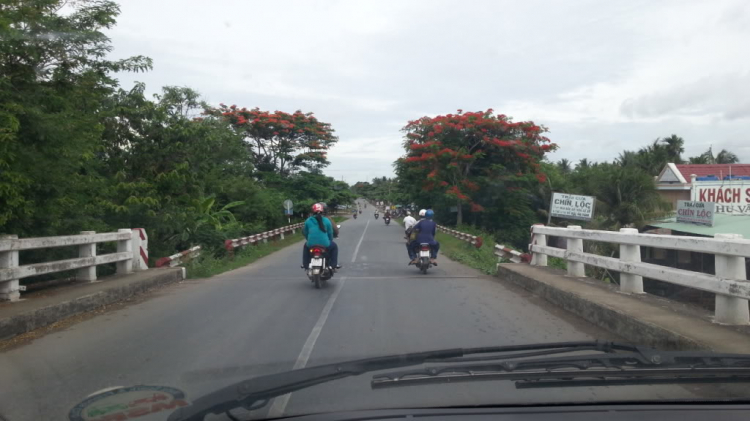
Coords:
422,212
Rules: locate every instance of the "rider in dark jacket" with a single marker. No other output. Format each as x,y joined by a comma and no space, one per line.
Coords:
425,231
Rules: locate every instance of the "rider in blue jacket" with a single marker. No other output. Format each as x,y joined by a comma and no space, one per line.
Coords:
425,229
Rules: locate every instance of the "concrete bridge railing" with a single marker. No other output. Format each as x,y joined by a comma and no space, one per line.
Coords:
729,284
469,238
132,254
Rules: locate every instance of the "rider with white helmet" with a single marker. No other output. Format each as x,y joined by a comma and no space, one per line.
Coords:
425,231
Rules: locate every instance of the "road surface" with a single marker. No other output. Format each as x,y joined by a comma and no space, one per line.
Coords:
266,318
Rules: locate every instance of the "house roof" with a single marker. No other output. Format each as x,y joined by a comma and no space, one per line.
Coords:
719,170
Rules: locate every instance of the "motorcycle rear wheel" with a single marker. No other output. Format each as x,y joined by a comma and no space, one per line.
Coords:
316,280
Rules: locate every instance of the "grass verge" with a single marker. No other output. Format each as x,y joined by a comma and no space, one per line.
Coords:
482,258
207,265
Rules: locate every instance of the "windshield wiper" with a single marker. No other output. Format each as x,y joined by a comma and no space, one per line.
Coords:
640,366
256,392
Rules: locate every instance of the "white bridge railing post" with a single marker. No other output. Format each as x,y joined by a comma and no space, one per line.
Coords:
87,250
730,310
538,259
630,253
575,245
125,266
10,290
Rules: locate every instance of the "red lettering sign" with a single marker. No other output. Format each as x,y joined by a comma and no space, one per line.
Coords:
143,410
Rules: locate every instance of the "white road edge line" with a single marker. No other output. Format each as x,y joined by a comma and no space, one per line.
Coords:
356,250
279,404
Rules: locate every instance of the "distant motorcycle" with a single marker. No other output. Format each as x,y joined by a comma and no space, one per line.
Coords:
387,220
355,216
376,216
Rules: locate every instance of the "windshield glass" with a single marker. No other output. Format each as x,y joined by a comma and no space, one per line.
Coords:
198,193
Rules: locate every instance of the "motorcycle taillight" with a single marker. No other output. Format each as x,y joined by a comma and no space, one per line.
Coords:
316,252
425,247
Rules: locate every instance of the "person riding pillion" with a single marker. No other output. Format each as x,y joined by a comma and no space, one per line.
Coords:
318,231
425,231
409,222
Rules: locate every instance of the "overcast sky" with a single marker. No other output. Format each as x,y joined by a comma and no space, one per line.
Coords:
603,76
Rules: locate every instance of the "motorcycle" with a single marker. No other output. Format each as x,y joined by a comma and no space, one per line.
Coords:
376,216
355,216
360,211
387,220
424,262
319,270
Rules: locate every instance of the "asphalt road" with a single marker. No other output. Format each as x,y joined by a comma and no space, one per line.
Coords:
266,318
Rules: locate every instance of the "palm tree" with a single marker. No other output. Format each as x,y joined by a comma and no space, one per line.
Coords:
726,157
627,158
675,146
583,164
564,166
628,197
700,159
723,157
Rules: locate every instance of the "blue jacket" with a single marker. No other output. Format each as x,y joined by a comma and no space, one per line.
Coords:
313,234
425,230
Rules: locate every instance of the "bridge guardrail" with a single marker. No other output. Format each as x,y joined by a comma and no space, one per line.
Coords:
179,258
501,251
469,238
230,245
128,240
730,283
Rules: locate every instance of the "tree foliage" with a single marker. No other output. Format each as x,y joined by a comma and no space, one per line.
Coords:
78,152
280,141
459,157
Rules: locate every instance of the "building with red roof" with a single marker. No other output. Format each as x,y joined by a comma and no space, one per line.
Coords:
725,184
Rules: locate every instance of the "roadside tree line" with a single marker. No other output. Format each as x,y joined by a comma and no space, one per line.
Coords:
483,171
80,152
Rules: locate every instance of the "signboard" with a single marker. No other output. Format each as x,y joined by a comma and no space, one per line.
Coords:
128,403
700,213
732,197
572,206
288,204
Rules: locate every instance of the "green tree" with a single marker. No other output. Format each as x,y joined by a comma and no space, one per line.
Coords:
675,147
281,142
456,156
564,166
52,91
723,157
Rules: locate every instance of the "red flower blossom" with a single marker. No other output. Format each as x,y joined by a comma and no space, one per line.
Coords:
476,207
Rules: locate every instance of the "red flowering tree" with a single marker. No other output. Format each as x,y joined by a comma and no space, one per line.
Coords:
280,141
457,154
